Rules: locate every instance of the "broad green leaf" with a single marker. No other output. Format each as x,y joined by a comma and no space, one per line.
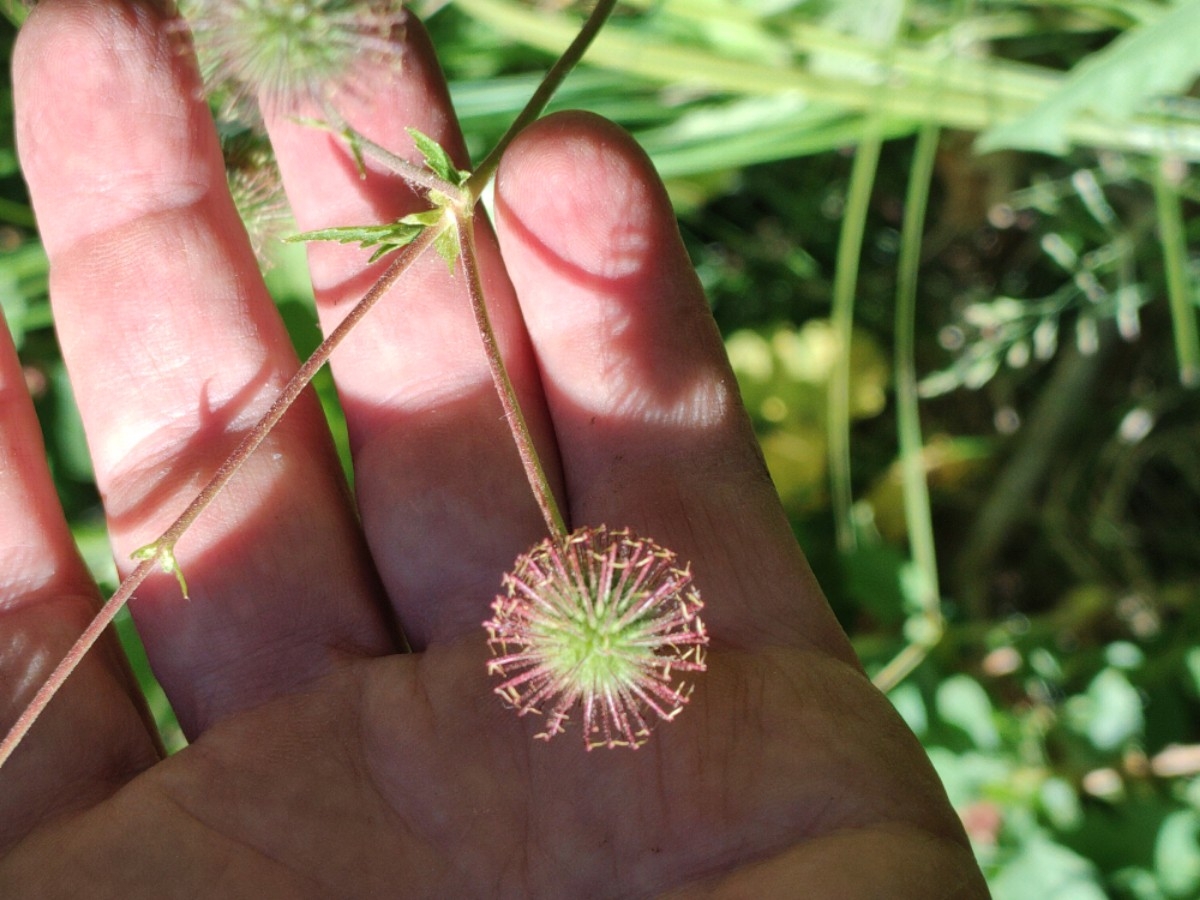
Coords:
962,701
1044,870
907,699
385,238
1110,712
1060,802
437,160
1113,84
1177,854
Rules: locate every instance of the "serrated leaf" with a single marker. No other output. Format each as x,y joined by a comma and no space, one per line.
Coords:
385,238
1115,83
437,160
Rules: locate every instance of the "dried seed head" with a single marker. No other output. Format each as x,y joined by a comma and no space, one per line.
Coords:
287,53
257,190
603,618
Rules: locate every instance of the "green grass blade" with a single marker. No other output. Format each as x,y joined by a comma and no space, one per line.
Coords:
917,513
1179,282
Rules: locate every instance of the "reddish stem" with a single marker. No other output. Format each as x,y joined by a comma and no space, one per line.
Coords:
164,546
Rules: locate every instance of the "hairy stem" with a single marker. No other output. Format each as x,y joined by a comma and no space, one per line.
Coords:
161,553
416,176
530,460
574,52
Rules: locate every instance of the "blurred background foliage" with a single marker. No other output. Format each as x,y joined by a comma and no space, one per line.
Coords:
1019,567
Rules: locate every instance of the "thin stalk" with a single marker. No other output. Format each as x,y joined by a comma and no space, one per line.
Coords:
530,461
917,513
483,173
1179,283
161,553
416,176
845,284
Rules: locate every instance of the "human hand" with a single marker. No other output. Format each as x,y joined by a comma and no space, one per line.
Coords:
324,762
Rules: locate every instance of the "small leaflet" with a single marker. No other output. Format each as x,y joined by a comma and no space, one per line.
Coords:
437,160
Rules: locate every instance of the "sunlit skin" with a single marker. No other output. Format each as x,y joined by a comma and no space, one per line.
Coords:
325,762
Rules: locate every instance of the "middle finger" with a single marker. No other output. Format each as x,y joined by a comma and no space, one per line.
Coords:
443,498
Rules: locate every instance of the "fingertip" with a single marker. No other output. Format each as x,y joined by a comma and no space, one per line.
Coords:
98,81
581,190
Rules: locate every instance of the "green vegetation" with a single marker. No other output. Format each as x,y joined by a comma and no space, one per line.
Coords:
988,444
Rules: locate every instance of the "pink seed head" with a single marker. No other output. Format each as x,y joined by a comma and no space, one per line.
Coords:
601,618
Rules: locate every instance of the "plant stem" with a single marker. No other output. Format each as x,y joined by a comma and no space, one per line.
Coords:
79,649
845,283
917,515
162,554
483,173
1179,283
530,461
416,176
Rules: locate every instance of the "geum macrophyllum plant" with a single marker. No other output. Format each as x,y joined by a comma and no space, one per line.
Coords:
597,617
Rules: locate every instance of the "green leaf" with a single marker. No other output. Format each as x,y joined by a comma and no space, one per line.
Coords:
437,160
1177,854
424,219
962,701
446,244
1044,870
1114,83
908,701
166,562
1110,712
385,238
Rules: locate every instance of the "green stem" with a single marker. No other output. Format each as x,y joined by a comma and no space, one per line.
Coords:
160,553
483,173
917,513
1179,283
845,283
534,471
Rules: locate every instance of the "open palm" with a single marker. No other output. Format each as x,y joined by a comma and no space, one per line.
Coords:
324,761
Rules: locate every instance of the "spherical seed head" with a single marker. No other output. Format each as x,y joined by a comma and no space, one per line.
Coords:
602,618
287,53
256,187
